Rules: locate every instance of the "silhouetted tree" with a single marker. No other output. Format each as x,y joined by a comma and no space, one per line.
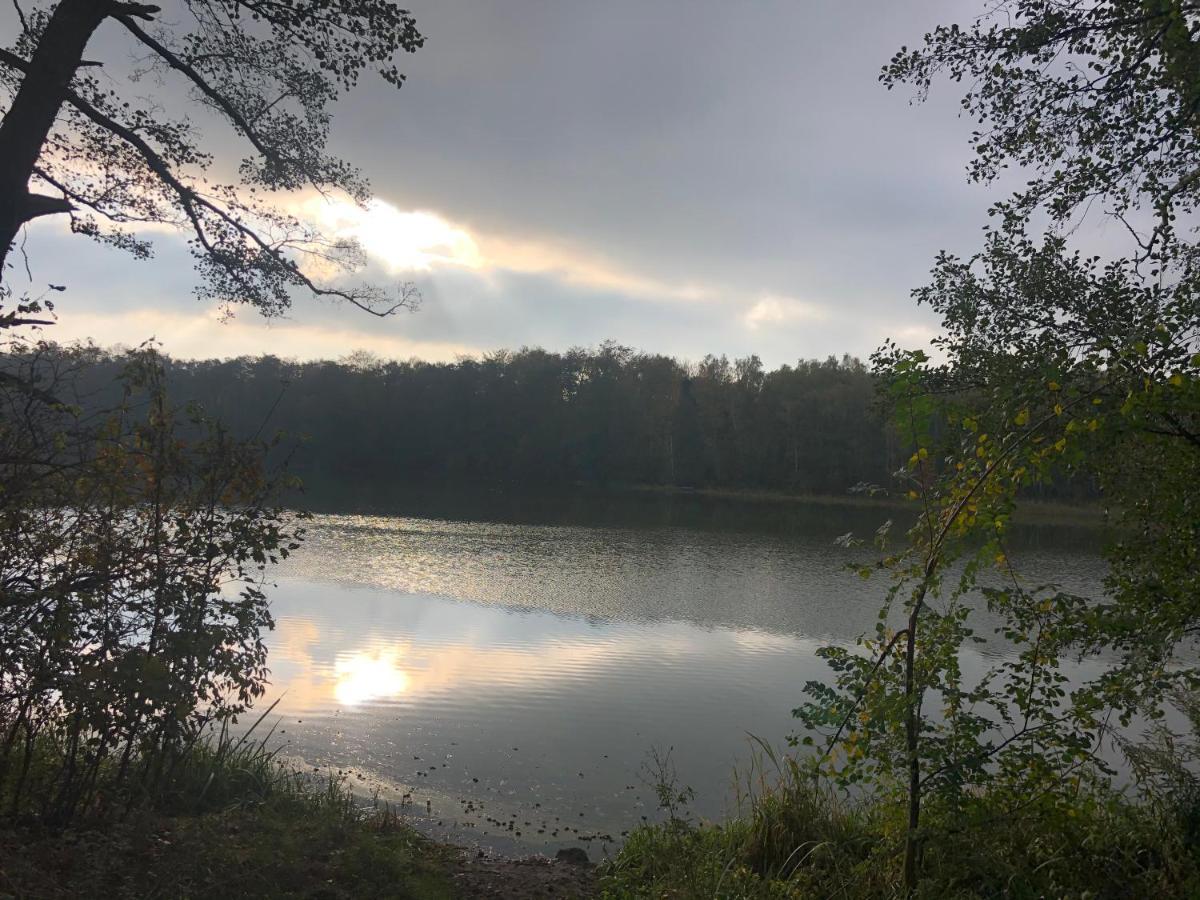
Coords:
113,156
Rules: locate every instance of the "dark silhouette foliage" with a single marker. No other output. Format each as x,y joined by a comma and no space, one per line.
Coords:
536,419
110,146
135,538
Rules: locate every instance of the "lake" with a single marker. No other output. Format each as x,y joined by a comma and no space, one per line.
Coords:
505,674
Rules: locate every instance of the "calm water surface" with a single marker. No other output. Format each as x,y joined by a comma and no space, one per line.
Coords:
490,674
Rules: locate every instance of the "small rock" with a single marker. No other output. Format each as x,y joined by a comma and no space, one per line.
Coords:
576,856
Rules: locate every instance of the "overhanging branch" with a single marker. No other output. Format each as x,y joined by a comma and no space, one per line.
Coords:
194,205
189,71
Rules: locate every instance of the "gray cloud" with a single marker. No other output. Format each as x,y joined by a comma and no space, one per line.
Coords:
747,148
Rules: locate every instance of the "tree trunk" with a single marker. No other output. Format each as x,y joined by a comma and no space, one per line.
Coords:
911,726
912,734
27,123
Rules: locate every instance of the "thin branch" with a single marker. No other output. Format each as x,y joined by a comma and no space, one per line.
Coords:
205,88
91,203
193,203
21,15
984,755
1190,436
863,692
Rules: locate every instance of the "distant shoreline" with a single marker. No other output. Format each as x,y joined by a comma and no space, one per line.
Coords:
1041,510
406,500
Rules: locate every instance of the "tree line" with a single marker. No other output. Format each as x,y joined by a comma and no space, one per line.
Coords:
599,417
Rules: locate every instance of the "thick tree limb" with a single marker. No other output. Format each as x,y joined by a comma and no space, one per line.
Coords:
42,205
30,116
145,11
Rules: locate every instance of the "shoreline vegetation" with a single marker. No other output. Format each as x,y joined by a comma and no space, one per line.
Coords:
232,820
106,777
236,822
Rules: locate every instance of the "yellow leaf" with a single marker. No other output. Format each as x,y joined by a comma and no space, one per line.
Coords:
1053,385
1022,417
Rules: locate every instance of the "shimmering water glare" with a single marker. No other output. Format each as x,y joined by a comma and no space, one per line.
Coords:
506,683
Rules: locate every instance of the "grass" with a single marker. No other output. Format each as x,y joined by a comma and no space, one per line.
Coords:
285,847
792,839
229,821
795,839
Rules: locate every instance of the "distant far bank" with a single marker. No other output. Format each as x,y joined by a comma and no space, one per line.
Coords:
531,423
1089,512
821,517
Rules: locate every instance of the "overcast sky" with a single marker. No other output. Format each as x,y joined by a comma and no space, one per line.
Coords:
681,177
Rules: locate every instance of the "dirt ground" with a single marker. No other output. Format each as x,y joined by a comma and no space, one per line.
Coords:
481,875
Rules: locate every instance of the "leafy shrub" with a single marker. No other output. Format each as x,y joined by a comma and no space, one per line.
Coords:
134,547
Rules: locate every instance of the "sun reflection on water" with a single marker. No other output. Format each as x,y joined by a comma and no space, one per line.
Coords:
369,675
429,668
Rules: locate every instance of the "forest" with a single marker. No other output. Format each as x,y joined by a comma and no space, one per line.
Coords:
603,417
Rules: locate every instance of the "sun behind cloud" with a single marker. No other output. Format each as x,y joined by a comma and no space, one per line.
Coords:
774,309
403,241
420,241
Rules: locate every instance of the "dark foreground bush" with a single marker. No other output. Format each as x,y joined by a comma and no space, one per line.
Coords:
797,840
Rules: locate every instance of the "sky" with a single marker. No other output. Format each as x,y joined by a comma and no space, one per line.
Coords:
680,177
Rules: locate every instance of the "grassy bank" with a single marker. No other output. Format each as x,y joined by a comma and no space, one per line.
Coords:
239,825
287,846
795,840
226,819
